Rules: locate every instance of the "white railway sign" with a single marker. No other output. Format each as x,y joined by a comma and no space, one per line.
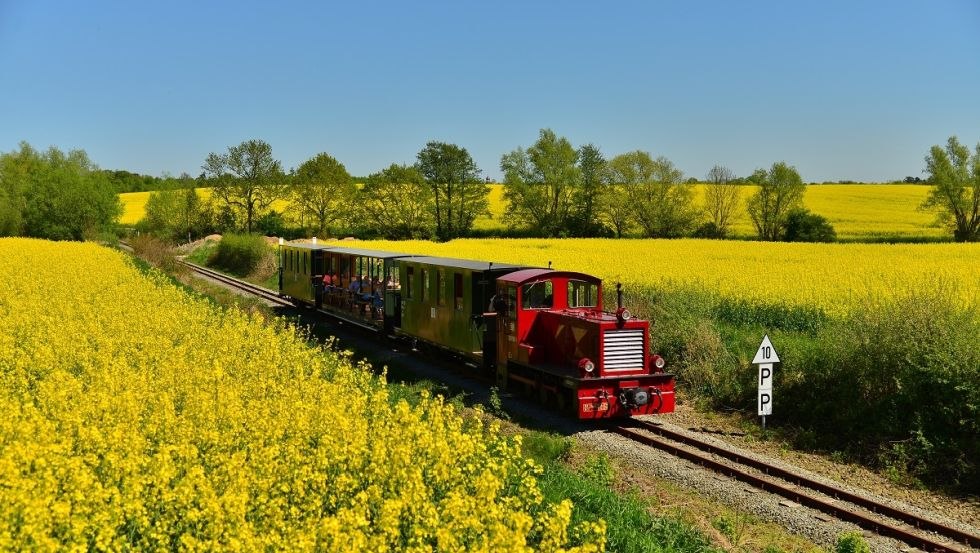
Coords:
765,358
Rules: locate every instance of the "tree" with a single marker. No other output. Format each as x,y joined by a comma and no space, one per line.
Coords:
616,209
780,191
721,198
459,194
540,184
662,203
955,192
247,178
323,190
55,195
585,220
174,215
398,203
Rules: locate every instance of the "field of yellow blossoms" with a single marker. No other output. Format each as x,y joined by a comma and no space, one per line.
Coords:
135,416
829,277
857,211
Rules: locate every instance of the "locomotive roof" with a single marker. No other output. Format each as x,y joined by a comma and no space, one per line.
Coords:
519,277
360,252
462,263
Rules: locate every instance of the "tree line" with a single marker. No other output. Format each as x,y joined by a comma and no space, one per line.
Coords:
551,189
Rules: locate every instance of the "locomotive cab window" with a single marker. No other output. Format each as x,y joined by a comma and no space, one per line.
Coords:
537,295
582,294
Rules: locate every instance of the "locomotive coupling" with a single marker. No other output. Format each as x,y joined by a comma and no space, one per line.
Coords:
634,397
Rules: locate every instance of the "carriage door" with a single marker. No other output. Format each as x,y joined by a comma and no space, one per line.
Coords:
505,303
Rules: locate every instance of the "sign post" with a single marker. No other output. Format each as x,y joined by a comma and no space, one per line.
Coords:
765,358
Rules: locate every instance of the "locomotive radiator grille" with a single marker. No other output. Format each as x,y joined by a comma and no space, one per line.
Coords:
622,350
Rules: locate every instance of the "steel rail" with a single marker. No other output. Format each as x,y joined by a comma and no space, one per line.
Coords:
253,289
767,482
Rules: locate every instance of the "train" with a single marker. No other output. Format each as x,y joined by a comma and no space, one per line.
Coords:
541,332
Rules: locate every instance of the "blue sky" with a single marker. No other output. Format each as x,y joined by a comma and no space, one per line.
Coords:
840,89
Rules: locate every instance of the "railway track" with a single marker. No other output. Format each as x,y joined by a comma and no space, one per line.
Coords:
253,289
866,513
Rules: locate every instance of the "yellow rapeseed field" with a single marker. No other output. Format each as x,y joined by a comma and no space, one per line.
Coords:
831,277
135,416
857,211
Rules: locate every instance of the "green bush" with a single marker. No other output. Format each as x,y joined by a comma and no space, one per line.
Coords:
239,254
803,226
901,373
851,542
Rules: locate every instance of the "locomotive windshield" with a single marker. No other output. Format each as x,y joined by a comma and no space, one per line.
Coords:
537,295
582,294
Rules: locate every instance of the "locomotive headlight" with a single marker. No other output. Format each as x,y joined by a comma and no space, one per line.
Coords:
659,362
623,314
586,365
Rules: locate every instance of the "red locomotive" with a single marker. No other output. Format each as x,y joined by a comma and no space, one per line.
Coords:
541,331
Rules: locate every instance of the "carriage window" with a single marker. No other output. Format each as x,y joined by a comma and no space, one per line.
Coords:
393,282
409,282
441,286
582,294
537,295
304,263
425,284
458,291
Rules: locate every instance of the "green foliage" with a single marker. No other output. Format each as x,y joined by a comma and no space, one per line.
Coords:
246,179
459,195
901,373
733,526
271,223
804,226
323,191
599,469
851,542
54,195
545,448
780,191
540,184
239,254
176,215
630,527
955,195
156,252
496,405
396,203
585,219
661,203
616,210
